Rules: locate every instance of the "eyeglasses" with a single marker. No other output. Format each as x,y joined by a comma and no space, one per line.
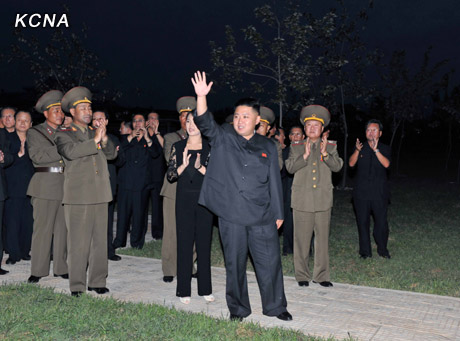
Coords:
137,121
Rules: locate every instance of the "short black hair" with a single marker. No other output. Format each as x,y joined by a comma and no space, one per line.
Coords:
249,102
374,121
23,111
128,124
296,126
132,117
106,114
5,108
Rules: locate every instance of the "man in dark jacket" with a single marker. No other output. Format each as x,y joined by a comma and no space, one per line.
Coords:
371,193
5,160
133,180
243,188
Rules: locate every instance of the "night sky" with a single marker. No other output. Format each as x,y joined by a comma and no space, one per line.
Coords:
155,46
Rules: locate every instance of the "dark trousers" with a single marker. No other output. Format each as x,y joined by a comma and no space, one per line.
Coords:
193,226
263,244
131,204
110,248
288,229
157,211
18,227
2,204
363,210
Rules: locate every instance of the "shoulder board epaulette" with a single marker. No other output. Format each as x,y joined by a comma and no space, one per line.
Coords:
332,142
90,128
66,129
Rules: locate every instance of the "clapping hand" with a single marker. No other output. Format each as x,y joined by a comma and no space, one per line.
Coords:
197,161
307,148
199,83
324,142
186,158
358,145
2,157
374,143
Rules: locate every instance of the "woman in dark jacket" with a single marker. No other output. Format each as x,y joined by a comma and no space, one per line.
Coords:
187,165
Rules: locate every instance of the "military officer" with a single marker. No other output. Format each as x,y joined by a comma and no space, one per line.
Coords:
86,193
267,118
46,190
169,247
312,162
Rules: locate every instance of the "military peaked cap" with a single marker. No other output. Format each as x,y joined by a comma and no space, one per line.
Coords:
186,103
75,96
48,100
267,115
315,112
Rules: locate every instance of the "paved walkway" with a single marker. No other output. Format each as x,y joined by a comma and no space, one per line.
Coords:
344,310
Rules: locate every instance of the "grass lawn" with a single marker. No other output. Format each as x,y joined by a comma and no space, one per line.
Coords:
29,312
424,219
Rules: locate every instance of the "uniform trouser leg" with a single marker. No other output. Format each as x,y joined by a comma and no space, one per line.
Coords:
2,204
305,223
363,216
98,263
322,224
288,229
157,212
379,209
110,248
263,243
139,203
169,244
48,221
87,245
124,207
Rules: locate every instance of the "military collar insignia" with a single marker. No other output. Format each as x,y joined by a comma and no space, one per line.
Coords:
74,129
49,130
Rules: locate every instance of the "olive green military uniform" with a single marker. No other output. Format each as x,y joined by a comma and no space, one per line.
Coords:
311,202
168,191
86,195
267,115
46,190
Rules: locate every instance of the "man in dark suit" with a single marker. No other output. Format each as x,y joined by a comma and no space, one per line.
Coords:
156,171
371,193
133,180
5,160
243,188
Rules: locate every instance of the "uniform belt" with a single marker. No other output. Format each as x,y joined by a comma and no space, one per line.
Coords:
50,169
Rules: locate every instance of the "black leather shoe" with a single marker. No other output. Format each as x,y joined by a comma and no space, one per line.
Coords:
326,284
304,284
168,279
26,257
236,318
3,272
285,316
115,258
99,291
33,279
387,256
365,256
77,293
65,276
195,275
10,261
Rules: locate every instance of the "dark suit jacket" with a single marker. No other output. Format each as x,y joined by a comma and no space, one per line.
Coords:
134,174
242,183
7,160
156,168
19,173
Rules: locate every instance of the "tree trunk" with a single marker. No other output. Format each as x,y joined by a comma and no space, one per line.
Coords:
395,130
345,142
281,114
